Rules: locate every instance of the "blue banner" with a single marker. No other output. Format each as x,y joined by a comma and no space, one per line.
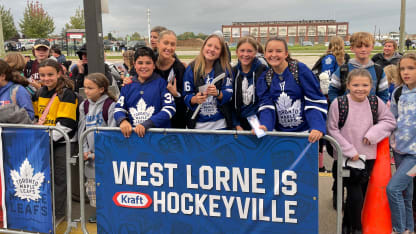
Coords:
205,183
26,155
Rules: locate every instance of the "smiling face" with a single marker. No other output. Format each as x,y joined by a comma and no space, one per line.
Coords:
408,72
276,54
49,76
144,66
359,87
167,46
212,49
388,49
246,54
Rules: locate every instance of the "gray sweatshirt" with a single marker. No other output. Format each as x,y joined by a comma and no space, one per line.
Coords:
94,118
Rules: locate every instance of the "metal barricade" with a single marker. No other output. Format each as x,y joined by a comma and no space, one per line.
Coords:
69,160
228,132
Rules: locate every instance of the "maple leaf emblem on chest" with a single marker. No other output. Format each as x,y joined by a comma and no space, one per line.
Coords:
141,113
26,185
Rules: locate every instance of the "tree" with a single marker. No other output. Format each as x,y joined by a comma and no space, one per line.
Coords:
135,36
9,29
186,36
202,36
36,22
110,36
77,21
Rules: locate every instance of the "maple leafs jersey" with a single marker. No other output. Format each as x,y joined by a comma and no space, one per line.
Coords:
298,107
148,103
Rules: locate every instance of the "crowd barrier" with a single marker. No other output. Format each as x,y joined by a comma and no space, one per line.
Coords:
162,169
32,176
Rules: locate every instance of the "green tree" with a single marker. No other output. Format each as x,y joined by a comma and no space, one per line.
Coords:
77,21
36,22
9,29
135,36
110,36
186,36
202,36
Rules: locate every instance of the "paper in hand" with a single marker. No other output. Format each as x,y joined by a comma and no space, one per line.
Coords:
255,125
171,76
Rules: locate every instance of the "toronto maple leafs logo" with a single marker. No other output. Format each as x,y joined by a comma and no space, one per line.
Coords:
289,113
26,185
248,91
141,113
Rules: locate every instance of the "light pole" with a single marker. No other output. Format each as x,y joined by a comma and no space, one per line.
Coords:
402,26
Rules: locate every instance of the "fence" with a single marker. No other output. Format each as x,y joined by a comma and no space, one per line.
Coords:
170,132
69,160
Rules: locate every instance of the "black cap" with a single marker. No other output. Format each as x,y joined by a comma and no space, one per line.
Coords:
81,51
42,42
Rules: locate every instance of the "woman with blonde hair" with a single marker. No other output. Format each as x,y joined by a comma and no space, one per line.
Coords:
199,88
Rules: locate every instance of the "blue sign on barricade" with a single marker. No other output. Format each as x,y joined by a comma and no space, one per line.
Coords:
205,183
27,178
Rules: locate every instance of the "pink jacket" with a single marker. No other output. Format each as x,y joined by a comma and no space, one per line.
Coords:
359,125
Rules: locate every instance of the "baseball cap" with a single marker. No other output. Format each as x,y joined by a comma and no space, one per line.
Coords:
41,42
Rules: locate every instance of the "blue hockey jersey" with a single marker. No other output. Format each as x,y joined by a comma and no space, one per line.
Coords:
298,107
149,104
210,116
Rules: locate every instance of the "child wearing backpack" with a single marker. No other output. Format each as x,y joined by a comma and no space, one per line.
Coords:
96,111
362,43
290,99
358,122
403,141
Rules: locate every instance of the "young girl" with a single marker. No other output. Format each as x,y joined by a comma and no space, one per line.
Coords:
246,72
127,69
211,62
292,88
146,102
17,62
96,111
169,67
55,104
15,102
358,136
403,141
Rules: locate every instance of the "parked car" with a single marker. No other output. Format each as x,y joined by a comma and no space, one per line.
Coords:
10,46
27,46
378,44
307,43
108,45
133,45
347,43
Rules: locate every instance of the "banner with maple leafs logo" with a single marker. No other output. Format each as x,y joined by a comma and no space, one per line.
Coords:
26,157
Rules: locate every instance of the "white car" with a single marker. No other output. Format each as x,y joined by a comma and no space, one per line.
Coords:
27,46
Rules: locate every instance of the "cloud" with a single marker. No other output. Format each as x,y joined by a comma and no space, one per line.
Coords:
128,16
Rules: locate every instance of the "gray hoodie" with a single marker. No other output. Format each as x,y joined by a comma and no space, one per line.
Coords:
94,118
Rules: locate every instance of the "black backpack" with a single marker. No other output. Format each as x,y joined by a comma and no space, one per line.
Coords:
293,68
317,68
344,70
343,109
397,94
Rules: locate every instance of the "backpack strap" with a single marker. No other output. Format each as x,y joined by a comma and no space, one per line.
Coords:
86,106
379,74
343,110
106,107
397,94
343,73
374,107
269,77
294,69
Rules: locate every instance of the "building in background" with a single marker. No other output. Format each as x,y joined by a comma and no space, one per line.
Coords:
295,32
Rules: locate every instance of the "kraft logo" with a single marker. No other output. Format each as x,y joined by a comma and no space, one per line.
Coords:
132,199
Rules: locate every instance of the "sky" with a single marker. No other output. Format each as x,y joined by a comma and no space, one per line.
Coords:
198,16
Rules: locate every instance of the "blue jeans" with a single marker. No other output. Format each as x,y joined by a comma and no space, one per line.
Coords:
400,193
